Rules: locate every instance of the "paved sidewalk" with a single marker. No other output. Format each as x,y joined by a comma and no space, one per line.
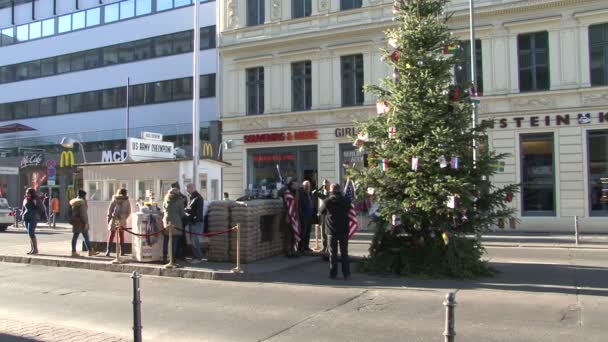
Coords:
12,330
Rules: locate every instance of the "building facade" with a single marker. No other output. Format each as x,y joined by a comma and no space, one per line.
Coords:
64,71
292,73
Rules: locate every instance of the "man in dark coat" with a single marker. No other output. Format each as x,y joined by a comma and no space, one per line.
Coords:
335,209
194,220
181,243
307,212
321,194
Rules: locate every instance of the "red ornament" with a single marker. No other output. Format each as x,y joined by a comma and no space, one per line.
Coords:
395,56
509,197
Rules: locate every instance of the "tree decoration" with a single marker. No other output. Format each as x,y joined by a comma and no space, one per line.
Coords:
382,108
392,132
362,138
395,56
450,49
509,197
501,223
434,123
415,162
395,220
512,223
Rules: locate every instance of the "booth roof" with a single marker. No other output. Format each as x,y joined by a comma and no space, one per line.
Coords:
213,161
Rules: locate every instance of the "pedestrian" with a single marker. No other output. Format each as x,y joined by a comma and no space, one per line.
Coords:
79,219
118,214
32,212
195,221
335,208
307,213
291,225
172,219
226,196
55,209
321,194
182,244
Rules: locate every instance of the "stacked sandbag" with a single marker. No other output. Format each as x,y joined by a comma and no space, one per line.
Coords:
219,213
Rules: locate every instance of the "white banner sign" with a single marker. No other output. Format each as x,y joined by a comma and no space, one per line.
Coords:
140,149
151,136
5,170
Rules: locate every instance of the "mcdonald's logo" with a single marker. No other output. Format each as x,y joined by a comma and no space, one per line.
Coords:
207,150
67,159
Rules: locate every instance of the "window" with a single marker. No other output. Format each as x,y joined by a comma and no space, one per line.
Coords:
207,86
76,103
77,61
6,112
33,69
352,80
125,53
48,27
255,12
255,91
182,42
22,33
143,7
538,175
597,142
20,109
92,59
78,20
111,13
47,66
207,37
93,17
90,101
350,4
142,49
598,54
301,93
462,71
533,51
162,91
63,104
163,46
65,23
127,9
63,63
109,98
301,8
110,55
8,36
33,108
139,95
7,74
21,71
182,89
162,5
35,30
180,3
47,106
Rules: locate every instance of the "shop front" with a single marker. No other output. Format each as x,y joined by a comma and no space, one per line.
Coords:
561,162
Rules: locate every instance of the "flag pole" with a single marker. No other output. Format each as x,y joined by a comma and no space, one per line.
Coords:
196,126
473,74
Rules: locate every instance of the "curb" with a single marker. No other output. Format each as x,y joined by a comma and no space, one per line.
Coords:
515,245
189,273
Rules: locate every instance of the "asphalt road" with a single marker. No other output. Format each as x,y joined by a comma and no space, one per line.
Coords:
539,295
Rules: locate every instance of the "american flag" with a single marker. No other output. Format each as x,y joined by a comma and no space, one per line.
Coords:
353,224
292,212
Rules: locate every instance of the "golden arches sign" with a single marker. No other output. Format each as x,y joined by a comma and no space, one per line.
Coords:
66,159
207,150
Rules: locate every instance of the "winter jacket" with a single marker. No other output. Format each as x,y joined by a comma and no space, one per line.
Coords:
195,208
32,209
78,208
119,210
174,211
307,204
335,209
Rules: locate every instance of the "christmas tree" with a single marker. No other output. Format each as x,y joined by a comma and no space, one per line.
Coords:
436,198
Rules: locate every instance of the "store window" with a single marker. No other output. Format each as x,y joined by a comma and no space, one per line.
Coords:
301,92
462,71
350,158
597,142
255,12
537,174
94,191
266,166
255,91
301,8
533,52
352,80
598,54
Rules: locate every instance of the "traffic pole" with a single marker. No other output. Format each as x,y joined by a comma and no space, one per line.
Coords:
136,307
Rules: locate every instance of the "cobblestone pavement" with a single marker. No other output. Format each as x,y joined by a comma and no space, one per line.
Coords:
12,330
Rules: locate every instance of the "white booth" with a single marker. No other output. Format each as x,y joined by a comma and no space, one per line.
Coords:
141,178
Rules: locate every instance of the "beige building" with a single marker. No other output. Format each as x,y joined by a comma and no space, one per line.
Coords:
291,71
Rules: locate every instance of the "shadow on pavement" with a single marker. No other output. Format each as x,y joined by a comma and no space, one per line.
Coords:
11,338
38,232
525,277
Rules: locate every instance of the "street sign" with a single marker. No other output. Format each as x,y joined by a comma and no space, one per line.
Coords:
6,170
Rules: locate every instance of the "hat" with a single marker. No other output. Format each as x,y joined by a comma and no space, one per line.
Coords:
175,185
82,193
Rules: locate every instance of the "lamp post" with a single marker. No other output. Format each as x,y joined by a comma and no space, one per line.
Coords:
473,73
196,126
69,143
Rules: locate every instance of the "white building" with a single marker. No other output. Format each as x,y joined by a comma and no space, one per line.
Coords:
292,71
64,67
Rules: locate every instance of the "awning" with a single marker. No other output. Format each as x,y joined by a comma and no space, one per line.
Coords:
14,128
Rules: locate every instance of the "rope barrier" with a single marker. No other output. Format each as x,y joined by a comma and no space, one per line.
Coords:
141,235
208,234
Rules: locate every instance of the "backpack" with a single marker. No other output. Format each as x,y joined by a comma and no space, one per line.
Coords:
75,219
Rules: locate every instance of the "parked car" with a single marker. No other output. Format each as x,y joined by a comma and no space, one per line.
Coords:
6,215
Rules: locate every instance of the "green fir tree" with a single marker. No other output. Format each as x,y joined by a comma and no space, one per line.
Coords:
443,209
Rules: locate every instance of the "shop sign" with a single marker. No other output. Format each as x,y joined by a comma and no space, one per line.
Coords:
207,150
274,157
151,136
113,156
140,149
549,120
283,136
32,159
345,132
51,172
6,170
66,159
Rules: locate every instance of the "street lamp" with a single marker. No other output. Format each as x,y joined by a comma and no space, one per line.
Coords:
69,143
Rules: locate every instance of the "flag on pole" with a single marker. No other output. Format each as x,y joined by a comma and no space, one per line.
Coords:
292,211
353,224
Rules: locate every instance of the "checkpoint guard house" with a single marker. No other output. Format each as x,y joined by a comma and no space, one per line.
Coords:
150,167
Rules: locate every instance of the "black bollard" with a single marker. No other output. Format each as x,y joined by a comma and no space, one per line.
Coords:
136,308
450,303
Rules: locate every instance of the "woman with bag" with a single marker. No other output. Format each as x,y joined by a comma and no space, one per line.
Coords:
79,219
172,219
118,213
31,213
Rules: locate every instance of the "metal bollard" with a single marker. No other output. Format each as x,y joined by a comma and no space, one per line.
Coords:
450,303
136,308
171,263
238,269
576,234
